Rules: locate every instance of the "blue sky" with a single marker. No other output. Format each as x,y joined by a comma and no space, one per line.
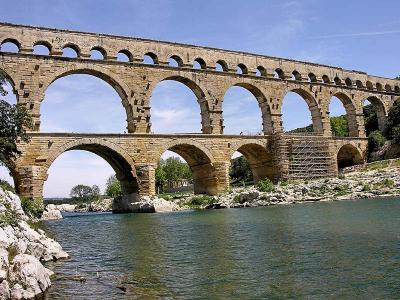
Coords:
359,35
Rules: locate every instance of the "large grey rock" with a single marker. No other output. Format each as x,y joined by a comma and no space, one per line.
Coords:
131,204
51,213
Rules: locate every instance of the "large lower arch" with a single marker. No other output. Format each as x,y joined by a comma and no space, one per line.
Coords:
262,103
351,114
348,155
201,100
201,163
120,87
313,106
119,160
259,158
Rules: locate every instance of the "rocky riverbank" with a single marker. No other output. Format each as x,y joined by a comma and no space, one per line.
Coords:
22,252
376,180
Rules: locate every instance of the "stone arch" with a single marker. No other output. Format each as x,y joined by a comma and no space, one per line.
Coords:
201,99
262,103
200,161
351,114
258,156
380,109
313,106
120,87
45,44
118,158
10,79
348,155
12,41
73,47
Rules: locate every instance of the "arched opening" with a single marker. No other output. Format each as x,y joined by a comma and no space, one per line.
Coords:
296,76
173,174
379,87
325,79
244,109
10,45
342,115
279,74
71,51
42,48
348,156
81,103
300,113
150,59
374,115
88,164
124,56
369,85
312,77
98,53
348,82
359,84
7,91
261,71
250,163
397,89
199,63
178,106
388,88
242,69
221,66
175,61
200,165
337,81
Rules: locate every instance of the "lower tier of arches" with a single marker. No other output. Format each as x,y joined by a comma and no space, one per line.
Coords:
134,158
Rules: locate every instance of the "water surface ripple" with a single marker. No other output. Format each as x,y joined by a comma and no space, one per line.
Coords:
325,250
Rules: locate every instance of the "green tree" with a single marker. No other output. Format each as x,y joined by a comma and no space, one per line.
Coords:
375,140
370,119
240,169
392,131
161,176
14,121
84,193
113,187
339,126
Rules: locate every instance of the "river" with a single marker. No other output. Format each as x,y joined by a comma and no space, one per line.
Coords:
325,250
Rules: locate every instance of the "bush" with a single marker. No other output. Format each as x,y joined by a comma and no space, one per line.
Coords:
376,140
198,201
396,134
32,207
9,216
265,185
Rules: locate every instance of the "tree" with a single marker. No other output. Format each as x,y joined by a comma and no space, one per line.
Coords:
14,121
113,187
339,126
85,193
398,77
392,130
172,171
240,169
370,119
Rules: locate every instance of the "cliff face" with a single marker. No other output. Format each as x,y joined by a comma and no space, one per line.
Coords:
22,252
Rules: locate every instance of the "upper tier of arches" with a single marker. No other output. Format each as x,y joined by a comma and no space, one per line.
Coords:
133,50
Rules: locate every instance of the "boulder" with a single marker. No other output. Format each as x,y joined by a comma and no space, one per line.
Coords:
132,204
32,277
51,213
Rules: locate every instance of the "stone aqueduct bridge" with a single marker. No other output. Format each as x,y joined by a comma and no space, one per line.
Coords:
134,155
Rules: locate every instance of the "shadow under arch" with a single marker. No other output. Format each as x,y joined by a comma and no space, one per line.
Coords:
120,87
259,157
312,104
262,104
351,114
119,160
200,162
348,155
201,99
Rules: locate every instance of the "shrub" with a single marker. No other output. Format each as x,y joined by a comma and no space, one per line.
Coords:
366,187
396,134
376,140
33,206
198,201
9,216
265,185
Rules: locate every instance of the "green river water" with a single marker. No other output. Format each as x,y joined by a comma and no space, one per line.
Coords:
326,250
